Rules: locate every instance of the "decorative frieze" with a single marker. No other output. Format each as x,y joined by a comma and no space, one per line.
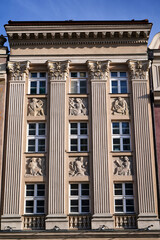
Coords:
58,71
36,107
18,69
138,69
35,166
123,166
120,106
98,70
79,167
78,106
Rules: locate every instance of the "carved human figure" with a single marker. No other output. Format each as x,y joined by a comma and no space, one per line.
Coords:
36,107
78,167
123,166
120,106
77,106
36,166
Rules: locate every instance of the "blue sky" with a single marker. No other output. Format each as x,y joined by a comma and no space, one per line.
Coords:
43,10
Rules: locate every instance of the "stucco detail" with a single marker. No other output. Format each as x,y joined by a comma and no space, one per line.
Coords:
120,106
79,167
123,166
35,166
58,71
36,107
78,106
18,69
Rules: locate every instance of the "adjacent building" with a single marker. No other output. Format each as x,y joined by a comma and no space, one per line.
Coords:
79,150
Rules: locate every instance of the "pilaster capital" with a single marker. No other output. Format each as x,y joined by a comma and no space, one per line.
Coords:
19,70
98,70
138,69
58,71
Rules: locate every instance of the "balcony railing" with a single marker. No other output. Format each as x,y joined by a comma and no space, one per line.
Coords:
34,222
125,221
80,222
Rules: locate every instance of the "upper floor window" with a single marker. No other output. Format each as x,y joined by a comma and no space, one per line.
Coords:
119,82
123,198
36,137
78,82
121,136
79,198
37,83
78,137
35,199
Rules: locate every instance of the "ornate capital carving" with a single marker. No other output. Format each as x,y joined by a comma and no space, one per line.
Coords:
98,70
58,71
18,70
138,69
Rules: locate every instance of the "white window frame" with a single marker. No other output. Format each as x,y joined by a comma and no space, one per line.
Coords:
78,137
123,197
36,137
118,79
34,198
121,136
79,197
78,79
38,79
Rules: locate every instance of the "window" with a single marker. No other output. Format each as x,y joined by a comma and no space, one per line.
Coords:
79,198
35,199
36,137
78,82
121,136
37,83
119,82
123,198
78,137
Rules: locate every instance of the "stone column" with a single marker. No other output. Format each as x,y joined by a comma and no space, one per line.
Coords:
12,179
98,76
143,145
58,73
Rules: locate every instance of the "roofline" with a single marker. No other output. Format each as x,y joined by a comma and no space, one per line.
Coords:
72,22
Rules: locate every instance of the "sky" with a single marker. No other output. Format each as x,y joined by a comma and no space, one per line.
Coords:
60,10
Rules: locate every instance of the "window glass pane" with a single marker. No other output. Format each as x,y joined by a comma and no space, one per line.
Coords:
123,86
74,189
33,75
33,87
118,189
84,145
128,189
125,128
83,87
114,74
74,206
85,205
73,74
41,130
29,206
116,144
31,145
74,87
123,74
114,86
40,206
85,189
126,144
129,205
74,128
83,128
30,190
41,145
74,145
40,190
32,129
82,74
42,75
115,128
118,205
42,87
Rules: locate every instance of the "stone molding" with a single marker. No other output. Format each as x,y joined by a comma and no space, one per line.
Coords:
18,69
59,70
98,70
138,69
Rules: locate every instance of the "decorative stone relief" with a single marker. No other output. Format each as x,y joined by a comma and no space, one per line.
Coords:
123,166
58,70
138,69
78,106
78,167
36,107
99,70
35,167
120,106
17,69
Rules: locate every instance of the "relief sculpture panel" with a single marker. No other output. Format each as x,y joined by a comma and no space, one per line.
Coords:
78,167
36,107
35,166
120,106
123,166
78,106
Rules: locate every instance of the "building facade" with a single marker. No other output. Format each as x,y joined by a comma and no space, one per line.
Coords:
79,150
